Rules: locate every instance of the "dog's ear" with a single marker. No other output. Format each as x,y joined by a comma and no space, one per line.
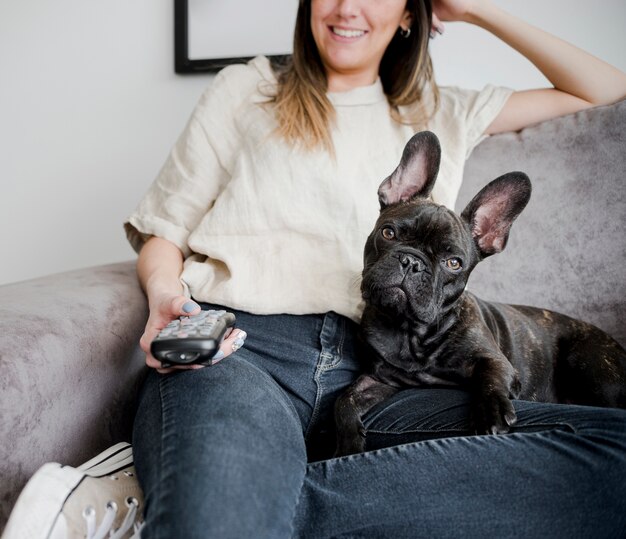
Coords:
492,211
416,173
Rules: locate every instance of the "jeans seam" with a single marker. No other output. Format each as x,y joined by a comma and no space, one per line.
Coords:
318,392
340,325
374,453
410,431
325,362
163,479
543,426
161,454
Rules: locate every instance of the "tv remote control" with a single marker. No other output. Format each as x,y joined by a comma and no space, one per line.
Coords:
192,339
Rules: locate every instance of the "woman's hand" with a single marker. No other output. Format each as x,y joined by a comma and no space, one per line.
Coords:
168,307
159,267
451,11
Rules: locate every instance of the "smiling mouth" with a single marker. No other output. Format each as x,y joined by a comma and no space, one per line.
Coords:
342,32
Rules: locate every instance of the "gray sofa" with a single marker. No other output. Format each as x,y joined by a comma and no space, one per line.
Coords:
68,343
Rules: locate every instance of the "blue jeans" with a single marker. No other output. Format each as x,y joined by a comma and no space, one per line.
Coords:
243,449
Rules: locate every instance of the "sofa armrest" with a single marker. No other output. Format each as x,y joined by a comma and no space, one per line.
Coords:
70,368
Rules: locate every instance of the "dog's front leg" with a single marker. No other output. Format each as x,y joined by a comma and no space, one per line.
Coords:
350,407
494,381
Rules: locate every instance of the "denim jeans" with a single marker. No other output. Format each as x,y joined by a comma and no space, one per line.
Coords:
243,449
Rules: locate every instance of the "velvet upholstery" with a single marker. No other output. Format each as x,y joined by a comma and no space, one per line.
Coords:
567,250
68,343
70,366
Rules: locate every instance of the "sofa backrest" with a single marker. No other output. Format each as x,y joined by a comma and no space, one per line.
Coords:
567,250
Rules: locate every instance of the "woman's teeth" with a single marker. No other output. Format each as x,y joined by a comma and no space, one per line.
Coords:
347,33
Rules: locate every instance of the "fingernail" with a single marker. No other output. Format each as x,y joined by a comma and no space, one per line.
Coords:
218,356
190,306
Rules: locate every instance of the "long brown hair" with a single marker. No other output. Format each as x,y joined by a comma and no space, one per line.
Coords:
302,108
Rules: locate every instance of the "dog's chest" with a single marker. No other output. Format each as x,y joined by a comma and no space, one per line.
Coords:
404,360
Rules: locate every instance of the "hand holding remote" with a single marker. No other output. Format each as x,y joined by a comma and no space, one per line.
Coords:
168,309
193,339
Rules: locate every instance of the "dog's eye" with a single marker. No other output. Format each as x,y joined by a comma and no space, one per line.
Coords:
454,263
388,233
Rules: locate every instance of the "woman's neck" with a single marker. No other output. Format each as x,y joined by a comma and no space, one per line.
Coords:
345,82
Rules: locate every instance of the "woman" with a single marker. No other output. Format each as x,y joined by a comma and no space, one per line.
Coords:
263,207
267,199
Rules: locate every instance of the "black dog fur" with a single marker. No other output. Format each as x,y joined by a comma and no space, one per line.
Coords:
420,327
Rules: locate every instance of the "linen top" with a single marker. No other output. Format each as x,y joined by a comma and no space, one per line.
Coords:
269,228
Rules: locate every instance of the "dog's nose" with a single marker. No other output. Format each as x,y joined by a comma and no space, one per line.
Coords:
411,262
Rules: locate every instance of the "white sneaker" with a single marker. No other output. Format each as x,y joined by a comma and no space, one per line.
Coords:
100,499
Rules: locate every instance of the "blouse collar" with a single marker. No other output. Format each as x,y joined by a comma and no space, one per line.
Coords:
363,95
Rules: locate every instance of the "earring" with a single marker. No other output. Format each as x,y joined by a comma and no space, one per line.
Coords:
405,33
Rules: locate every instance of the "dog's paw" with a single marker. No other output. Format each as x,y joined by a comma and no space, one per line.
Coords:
350,445
516,387
493,414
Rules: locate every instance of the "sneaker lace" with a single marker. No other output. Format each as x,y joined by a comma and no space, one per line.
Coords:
106,526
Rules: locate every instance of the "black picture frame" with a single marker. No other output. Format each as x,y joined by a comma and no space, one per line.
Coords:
183,65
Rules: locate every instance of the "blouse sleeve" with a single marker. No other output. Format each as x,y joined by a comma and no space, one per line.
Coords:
460,122
196,170
475,110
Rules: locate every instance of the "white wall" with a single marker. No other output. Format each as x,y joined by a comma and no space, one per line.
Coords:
470,57
90,105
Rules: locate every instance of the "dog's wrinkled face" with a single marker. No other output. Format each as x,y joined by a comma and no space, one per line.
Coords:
417,260
419,256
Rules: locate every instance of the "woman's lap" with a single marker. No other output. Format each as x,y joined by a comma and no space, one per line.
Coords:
236,431
232,438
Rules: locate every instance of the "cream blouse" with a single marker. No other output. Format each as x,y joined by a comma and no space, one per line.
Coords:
269,228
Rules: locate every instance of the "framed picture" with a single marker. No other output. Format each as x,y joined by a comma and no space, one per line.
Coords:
211,34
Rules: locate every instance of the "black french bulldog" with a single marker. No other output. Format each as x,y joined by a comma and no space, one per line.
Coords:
420,327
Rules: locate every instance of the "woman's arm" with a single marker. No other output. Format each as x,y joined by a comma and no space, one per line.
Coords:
159,266
580,80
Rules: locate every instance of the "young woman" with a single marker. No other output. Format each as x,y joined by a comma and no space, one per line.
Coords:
262,208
